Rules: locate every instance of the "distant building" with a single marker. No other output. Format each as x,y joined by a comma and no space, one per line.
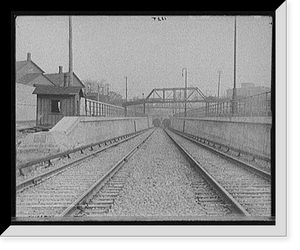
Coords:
33,79
97,97
45,98
27,67
247,89
96,87
28,74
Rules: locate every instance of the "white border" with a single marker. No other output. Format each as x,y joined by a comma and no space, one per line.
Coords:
280,229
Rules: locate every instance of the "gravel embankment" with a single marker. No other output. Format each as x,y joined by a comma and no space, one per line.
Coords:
160,183
52,196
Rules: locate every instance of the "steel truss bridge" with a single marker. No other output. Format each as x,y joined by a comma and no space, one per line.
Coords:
169,101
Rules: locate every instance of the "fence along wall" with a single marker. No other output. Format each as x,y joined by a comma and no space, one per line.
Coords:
252,106
249,129
90,107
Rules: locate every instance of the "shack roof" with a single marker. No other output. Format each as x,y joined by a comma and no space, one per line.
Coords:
57,90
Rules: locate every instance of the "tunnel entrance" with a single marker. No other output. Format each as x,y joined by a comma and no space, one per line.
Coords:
156,122
166,123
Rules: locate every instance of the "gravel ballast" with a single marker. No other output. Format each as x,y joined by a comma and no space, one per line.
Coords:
160,183
52,196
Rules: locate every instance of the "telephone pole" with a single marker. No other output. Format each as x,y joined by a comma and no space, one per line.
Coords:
234,71
219,90
185,95
70,53
126,95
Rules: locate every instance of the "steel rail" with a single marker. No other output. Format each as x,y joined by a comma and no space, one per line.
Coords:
88,194
222,192
257,156
243,164
68,152
43,176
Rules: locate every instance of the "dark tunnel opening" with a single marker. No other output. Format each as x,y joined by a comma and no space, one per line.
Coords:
156,122
166,123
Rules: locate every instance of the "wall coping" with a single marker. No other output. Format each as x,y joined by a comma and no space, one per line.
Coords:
98,118
258,120
68,123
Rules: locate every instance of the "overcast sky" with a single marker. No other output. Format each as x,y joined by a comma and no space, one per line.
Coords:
149,52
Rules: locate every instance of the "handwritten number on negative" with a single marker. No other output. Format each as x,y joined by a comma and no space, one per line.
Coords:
159,18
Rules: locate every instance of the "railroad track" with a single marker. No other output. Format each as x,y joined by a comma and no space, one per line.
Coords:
56,192
102,201
99,198
155,180
246,188
52,164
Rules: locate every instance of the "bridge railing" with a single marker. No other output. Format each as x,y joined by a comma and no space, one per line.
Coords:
89,107
252,106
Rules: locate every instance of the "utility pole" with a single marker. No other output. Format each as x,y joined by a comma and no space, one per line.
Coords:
185,95
234,71
185,90
126,95
144,106
70,53
219,90
219,84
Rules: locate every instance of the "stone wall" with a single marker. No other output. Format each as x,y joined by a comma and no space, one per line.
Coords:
252,135
71,132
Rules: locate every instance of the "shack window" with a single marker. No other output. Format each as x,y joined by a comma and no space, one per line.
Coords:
55,106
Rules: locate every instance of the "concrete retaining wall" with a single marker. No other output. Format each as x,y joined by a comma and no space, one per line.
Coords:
252,135
72,132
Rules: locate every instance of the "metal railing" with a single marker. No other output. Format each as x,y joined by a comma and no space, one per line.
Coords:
252,106
90,107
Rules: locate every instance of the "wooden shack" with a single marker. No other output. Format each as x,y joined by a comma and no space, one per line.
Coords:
55,102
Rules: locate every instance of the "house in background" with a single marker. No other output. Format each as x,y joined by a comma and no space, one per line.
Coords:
43,99
28,74
27,67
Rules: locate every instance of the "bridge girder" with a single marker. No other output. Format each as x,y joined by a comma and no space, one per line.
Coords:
171,95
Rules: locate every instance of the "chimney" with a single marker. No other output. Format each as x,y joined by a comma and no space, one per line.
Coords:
60,69
65,83
28,56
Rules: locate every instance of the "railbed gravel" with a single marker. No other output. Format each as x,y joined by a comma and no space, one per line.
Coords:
41,168
50,197
160,184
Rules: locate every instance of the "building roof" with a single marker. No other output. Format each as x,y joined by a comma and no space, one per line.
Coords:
58,79
57,90
21,64
30,79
